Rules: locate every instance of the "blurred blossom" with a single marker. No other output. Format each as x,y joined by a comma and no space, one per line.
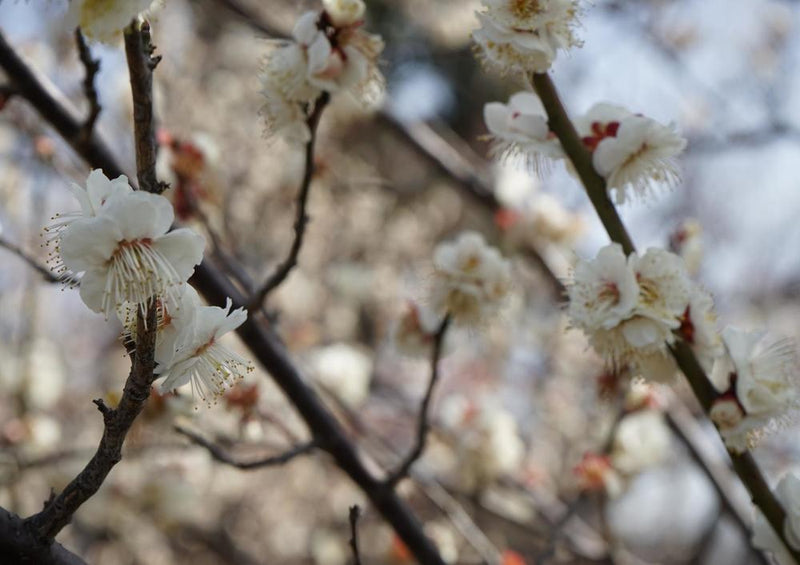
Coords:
104,20
642,440
345,370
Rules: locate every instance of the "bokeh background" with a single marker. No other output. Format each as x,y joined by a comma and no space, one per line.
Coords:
521,400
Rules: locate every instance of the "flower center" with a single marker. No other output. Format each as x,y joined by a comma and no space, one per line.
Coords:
524,8
600,132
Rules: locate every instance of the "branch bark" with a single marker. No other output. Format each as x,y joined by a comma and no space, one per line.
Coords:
222,456
744,465
423,424
92,67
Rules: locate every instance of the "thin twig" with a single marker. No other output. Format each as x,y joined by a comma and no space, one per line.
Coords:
355,513
223,456
118,421
92,67
744,464
47,275
301,216
423,424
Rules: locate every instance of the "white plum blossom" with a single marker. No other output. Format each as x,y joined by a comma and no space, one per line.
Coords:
632,308
189,349
104,20
328,52
642,440
757,386
634,153
520,128
471,279
344,13
126,254
526,35
764,536
91,199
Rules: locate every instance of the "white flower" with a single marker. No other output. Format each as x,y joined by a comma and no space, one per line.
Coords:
687,241
520,128
126,254
632,152
192,353
345,371
526,35
471,279
631,309
603,291
764,537
642,440
344,13
104,20
91,199
761,382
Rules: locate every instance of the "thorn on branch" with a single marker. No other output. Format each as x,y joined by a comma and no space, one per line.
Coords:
103,407
219,454
423,425
355,514
92,67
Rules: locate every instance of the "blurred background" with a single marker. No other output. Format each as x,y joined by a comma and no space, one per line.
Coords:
537,455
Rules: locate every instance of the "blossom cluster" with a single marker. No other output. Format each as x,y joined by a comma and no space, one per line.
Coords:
632,308
129,259
526,35
328,52
633,153
471,279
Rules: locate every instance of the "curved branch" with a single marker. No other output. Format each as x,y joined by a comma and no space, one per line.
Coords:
301,217
744,465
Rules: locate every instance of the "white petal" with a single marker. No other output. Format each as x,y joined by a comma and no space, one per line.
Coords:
140,215
89,243
183,248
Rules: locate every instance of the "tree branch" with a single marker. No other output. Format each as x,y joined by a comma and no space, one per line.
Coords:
744,464
355,513
47,275
263,344
19,544
423,425
301,217
58,512
92,67
222,456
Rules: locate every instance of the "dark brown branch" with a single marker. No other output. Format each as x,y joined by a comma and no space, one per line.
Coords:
744,464
47,275
118,421
18,544
301,216
223,456
92,67
423,424
263,344
355,514
141,64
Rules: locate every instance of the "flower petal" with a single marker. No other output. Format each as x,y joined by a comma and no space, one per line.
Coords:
140,215
89,243
183,248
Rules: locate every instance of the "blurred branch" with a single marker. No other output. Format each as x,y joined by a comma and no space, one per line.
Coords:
47,275
55,110
262,342
355,513
744,464
252,19
59,509
301,217
92,67
423,425
222,456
